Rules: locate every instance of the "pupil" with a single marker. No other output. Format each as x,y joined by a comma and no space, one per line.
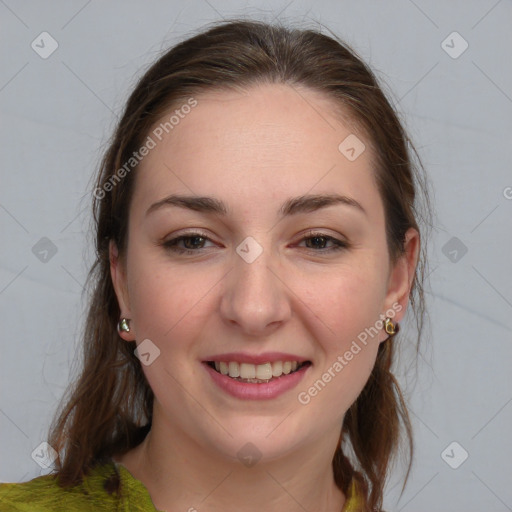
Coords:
318,238
189,239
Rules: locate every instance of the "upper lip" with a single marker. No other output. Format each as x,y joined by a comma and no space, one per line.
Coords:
265,357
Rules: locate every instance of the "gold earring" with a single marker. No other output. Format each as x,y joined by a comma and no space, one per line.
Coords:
123,325
390,327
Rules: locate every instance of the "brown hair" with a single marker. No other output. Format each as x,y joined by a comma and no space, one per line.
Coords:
109,410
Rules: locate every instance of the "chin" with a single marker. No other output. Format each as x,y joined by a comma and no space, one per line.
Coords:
264,438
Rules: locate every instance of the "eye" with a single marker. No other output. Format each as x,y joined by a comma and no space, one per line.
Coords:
192,242
317,241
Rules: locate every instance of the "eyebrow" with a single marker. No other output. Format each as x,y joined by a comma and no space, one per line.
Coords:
293,206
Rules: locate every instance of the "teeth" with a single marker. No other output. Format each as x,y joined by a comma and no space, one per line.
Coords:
256,372
247,371
277,368
264,371
234,369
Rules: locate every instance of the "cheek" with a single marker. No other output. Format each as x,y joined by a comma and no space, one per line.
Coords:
346,301
167,300
349,352
347,307
169,308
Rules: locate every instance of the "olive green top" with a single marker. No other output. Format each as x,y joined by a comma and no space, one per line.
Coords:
43,494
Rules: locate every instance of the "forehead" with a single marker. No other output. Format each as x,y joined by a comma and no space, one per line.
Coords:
266,142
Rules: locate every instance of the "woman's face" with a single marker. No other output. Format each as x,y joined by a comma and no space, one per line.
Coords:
262,270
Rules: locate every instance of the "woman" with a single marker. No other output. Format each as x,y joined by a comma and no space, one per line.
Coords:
257,246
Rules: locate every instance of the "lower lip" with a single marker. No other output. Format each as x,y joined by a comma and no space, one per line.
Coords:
253,391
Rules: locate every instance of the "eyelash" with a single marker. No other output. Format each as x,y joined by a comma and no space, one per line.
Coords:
171,245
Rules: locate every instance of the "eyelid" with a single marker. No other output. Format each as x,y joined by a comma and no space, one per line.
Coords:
187,234
323,232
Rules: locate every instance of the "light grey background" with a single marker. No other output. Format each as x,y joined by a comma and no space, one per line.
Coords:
58,112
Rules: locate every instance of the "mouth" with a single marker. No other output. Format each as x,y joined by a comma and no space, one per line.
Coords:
257,373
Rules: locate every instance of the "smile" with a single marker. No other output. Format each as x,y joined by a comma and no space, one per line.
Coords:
250,381
256,373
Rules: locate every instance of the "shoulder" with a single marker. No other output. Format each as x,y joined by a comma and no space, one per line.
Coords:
355,498
43,494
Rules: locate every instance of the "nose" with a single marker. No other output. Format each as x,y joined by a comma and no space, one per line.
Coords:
255,298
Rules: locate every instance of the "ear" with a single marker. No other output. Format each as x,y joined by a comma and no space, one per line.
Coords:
118,274
402,275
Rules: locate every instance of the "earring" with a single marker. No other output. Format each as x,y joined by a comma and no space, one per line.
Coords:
390,327
123,325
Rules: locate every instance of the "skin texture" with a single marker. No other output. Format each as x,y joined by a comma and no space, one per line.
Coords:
254,150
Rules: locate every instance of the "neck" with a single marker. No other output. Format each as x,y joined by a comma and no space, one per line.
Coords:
184,476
